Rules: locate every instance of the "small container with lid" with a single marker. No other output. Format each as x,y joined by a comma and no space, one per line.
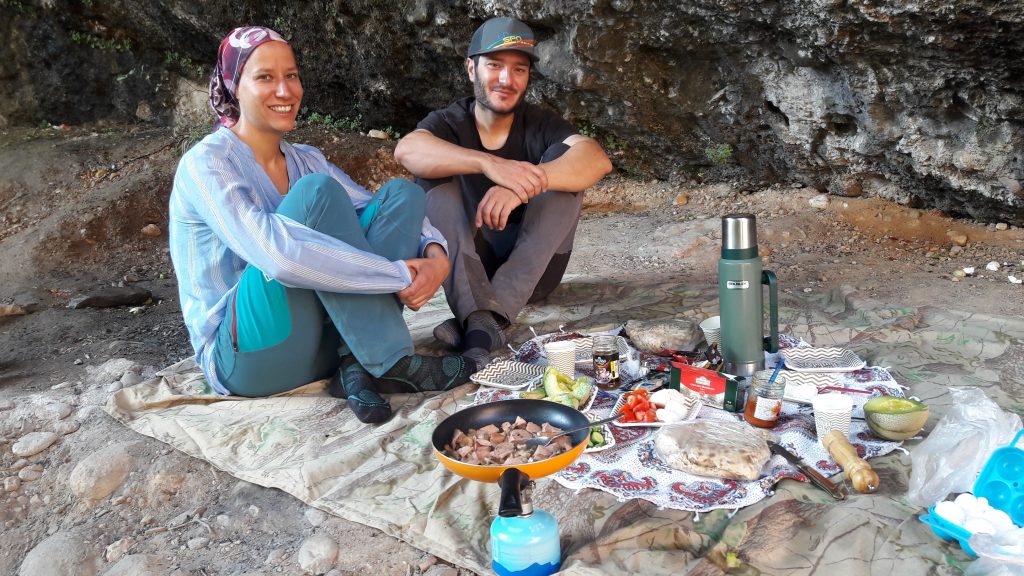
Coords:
606,362
764,399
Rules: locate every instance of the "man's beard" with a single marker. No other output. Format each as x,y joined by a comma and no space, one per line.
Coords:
480,93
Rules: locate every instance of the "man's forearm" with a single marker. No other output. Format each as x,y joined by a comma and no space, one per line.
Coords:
428,156
579,168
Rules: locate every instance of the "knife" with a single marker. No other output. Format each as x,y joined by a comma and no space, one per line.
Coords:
816,478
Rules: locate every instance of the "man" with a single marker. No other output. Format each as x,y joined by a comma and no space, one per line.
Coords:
505,181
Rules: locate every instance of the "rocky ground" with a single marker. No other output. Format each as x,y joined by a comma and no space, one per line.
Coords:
83,212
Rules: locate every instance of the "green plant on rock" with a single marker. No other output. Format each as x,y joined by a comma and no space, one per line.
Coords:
98,43
282,27
718,155
185,64
587,129
392,133
191,135
346,124
613,143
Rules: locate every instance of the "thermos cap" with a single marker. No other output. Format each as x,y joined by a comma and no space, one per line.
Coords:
739,232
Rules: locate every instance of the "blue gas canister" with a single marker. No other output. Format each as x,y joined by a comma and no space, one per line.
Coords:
524,541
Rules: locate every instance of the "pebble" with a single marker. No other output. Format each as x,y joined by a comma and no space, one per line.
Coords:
151,230
12,483
955,250
33,443
30,474
819,201
113,387
315,517
441,570
378,134
100,473
62,385
317,554
118,549
682,199
992,266
20,463
275,557
55,411
426,562
958,238
1002,226
66,427
137,564
197,543
131,379
960,273
61,553
166,475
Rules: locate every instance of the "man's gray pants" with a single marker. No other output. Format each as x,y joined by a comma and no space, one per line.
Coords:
503,271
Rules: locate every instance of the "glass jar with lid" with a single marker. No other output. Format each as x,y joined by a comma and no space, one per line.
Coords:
606,362
764,399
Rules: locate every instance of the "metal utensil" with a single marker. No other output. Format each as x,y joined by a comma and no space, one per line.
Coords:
545,440
816,478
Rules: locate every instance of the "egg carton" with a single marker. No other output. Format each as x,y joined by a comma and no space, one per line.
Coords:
1001,482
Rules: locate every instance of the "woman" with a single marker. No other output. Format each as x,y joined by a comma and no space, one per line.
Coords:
288,271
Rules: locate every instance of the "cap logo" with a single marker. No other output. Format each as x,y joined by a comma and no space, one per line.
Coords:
512,41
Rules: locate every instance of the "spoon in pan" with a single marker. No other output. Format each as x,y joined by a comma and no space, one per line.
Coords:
545,440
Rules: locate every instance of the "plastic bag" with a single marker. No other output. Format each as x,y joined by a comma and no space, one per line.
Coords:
998,555
951,457
715,448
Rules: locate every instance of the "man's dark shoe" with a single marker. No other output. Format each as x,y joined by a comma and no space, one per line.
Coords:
353,383
449,333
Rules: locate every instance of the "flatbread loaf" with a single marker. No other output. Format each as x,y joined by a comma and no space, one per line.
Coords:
714,448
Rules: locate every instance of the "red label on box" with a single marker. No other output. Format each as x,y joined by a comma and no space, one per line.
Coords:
700,380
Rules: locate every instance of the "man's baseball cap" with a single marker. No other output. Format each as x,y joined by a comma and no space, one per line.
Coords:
503,33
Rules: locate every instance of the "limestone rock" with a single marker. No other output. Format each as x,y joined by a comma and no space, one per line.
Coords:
100,473
119,548
151,230
166,475
820,201
315,516
441,570
111,296
61,553
33,443
957,238
65,427
655,336
138,565
317,554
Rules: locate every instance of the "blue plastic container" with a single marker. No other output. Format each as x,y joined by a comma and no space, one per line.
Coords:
1001,482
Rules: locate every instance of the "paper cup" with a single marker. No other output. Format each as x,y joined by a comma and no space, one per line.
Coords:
832,412
562,356
712,329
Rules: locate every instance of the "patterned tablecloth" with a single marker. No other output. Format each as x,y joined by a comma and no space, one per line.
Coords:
632,468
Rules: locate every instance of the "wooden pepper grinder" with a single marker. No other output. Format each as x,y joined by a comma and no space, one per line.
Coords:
860,473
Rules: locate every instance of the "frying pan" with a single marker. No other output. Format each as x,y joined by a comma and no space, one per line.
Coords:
518,475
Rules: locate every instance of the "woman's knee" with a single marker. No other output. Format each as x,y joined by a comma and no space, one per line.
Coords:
313,196
404,192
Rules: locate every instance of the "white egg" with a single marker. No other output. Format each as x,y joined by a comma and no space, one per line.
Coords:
983,503
950,512
966,499
979,525
1001,520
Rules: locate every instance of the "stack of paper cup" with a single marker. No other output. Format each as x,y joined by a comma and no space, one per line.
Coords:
712,329
562,356
832,412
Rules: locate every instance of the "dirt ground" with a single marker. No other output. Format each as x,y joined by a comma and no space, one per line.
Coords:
73,206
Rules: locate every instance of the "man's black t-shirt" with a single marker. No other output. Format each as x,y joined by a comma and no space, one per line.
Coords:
533,131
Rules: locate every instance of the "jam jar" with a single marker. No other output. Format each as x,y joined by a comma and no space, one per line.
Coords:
606,362
764,399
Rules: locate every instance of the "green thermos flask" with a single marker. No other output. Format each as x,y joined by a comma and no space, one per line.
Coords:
741,298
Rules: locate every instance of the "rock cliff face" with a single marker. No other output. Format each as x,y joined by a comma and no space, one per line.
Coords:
917,101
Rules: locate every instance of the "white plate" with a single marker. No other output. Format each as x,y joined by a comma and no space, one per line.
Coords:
822,360
508,375
609,439
694,407
819,381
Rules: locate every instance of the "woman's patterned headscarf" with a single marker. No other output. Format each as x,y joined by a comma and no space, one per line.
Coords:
234,50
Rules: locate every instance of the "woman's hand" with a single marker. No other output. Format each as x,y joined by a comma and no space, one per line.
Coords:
427,275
